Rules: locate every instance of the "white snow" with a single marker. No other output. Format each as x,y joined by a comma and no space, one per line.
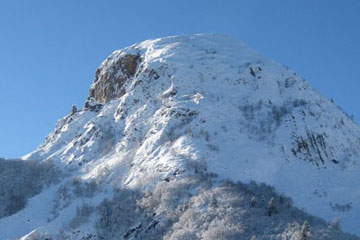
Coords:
233,108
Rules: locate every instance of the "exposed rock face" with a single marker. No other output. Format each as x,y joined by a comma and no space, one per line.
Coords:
111,76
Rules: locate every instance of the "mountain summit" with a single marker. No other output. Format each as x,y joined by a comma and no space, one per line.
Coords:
171,124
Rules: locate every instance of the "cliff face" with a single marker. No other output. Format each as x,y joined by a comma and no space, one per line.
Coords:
170,110
111,76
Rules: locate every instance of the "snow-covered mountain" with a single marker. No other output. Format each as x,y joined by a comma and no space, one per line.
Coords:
159,109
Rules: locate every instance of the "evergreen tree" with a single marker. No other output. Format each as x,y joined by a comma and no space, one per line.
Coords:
253,201
305,231
272,207
73,109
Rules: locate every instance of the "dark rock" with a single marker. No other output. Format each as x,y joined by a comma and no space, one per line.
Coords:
73,109
111,77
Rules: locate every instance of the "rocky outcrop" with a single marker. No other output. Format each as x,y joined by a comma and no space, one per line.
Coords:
312,148
111,77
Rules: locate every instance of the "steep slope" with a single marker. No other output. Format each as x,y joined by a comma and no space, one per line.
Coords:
158,109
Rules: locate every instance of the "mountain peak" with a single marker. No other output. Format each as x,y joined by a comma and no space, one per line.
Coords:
209,98
165,110
121,66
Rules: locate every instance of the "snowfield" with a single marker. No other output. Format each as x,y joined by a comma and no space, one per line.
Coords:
160,105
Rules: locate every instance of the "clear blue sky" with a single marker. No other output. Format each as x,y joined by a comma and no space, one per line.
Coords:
49,50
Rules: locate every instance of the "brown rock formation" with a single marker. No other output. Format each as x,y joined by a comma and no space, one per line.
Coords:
111,76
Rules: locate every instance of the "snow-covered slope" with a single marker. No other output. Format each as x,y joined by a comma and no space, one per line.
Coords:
157,106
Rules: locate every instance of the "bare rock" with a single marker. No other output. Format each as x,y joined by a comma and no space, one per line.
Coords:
111,77
73,109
